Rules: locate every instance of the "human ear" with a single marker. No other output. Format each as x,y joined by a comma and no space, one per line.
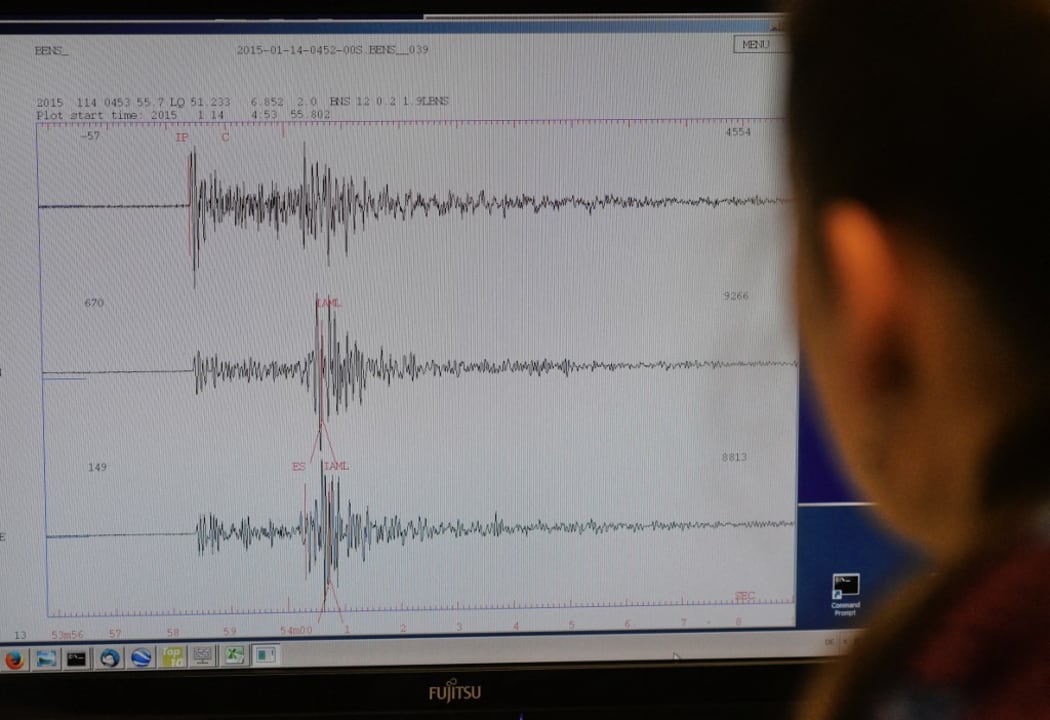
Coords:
866,276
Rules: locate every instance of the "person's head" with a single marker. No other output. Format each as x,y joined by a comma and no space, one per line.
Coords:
919,135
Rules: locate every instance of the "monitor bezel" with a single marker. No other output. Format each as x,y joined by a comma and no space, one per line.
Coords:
758,687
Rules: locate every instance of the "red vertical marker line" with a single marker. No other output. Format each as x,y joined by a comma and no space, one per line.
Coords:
189,208
331,447
327,550
328,542
331,545
338,605
320,382
323,426
320,367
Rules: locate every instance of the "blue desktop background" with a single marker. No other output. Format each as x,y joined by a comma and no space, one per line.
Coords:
837,535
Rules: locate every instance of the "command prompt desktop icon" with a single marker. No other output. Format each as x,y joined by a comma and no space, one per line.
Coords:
843,584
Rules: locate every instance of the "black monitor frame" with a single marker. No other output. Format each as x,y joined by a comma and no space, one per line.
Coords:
672,688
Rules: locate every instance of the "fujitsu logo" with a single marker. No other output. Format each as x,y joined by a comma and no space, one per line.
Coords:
453,691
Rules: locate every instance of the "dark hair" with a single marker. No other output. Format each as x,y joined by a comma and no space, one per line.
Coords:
935,114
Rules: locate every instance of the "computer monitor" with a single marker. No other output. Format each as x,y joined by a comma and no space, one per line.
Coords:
417,350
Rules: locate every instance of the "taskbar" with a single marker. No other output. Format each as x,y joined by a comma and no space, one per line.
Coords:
345,653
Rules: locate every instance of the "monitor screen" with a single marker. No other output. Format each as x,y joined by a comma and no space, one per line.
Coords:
425,342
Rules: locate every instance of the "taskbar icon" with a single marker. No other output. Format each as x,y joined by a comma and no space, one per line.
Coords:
109,657
16,661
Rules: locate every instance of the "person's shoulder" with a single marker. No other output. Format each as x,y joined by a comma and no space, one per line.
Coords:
986,650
